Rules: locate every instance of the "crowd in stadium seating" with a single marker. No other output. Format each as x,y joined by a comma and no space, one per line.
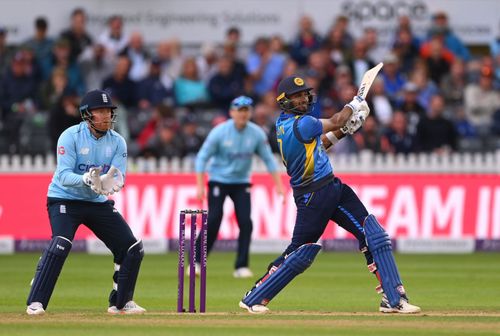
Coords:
432,94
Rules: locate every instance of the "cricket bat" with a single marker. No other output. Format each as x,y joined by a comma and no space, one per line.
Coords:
367,80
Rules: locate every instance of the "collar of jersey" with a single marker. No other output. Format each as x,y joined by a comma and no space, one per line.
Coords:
284,116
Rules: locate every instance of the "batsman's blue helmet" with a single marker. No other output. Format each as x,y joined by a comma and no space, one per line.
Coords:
288,87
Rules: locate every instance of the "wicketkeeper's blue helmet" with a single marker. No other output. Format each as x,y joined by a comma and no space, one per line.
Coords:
96,99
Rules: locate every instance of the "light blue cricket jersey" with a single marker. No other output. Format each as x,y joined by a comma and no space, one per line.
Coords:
302,152
77,151
231,151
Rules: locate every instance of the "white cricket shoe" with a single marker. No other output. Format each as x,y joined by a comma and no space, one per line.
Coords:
404,307
35,308
243,272
255,309
130,308
197,269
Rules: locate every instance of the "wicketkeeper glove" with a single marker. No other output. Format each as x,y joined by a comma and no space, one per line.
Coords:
112,181
92,179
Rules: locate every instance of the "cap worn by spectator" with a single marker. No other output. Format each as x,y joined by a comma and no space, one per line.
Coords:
410,87
390,59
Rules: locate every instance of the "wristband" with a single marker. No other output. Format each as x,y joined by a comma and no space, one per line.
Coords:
331,136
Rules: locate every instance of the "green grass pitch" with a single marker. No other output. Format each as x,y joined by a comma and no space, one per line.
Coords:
459,295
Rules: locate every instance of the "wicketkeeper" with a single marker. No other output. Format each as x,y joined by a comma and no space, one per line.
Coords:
91,164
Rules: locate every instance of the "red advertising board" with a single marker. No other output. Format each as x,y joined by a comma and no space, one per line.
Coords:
408,205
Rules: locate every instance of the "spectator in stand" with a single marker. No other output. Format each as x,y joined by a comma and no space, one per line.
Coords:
40,43
233,35
239,67
306,41
405,48
77,35
437,58
359,63
410,106
113,38
370,138
380,105
225,85
481,101
451,41
324,68
334,45
426,87
18,87
399,139
61,57
151,91
189,89
342,25
264,66
139,57
374,50
96,64
147,132
435,133
120,87
170,63
206,61
190,137
453,85
7,52
57,97
392,76
166,142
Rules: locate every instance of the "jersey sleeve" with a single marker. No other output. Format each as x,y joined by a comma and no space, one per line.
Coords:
307,128
207,150
66,161
120,157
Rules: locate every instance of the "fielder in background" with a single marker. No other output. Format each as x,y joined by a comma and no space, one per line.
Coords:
231,147
77,195
320,196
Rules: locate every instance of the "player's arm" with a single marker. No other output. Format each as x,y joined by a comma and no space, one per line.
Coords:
207,150
265,152
120,158
329,139
338,120
66,161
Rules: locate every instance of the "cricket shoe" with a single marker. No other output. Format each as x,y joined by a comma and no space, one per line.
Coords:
197,270
35,308
255,309
242,273
130,308
404,307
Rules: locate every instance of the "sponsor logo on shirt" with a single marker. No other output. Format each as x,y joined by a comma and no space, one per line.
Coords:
84,151
61,150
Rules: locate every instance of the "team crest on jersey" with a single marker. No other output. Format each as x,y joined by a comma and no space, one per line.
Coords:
104,98
84,151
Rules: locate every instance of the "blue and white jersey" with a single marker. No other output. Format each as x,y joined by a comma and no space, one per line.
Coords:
77,151
231,151
302,152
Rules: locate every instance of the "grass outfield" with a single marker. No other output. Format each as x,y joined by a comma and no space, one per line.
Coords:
459,295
